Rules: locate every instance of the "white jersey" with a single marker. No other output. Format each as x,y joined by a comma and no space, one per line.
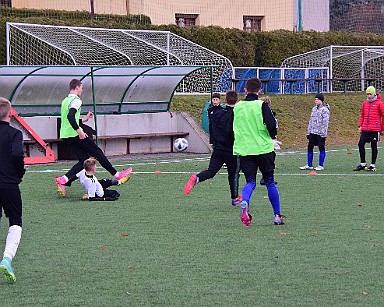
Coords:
91,185
76,102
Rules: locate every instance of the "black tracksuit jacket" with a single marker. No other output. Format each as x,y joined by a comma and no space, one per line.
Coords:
221,134
11,155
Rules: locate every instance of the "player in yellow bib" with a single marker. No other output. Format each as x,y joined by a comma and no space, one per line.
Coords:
82,145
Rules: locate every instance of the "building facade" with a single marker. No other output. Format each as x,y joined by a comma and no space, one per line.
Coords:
248,15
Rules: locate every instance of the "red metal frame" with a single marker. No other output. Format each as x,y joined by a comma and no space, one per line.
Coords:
49,157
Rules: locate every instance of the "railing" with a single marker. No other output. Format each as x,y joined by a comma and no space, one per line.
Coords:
287,85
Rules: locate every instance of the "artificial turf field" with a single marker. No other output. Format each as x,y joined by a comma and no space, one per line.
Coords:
156,246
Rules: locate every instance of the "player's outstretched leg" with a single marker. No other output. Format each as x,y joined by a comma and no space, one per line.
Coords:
274,198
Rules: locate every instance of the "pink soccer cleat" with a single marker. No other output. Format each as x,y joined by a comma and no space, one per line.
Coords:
237,200
190,184
245,216
124,176
61,187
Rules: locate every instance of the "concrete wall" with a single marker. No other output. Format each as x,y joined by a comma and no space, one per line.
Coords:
110,125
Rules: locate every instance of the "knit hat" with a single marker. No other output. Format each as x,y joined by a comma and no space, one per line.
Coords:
371,90
320,96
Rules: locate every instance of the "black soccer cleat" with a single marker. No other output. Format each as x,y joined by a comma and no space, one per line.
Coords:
360,168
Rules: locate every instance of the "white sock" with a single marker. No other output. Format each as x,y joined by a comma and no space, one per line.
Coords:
373,165
12,241
66,178
363,164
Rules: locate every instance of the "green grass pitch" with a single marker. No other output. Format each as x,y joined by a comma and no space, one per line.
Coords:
156,246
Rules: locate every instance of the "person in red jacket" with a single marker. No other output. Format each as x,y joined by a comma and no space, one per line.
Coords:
371,126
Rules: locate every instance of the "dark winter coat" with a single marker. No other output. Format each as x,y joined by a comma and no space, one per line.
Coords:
11,155
221,128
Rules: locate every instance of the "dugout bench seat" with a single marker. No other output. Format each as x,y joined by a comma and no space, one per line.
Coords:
65,153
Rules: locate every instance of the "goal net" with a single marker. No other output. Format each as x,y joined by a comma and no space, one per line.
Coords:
351,68
33,44
357,16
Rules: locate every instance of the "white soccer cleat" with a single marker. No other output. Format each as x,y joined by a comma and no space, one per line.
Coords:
306,167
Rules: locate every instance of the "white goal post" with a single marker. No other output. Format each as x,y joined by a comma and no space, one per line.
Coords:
34,44
354,67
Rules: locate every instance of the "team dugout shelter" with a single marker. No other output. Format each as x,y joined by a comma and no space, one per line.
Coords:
37,91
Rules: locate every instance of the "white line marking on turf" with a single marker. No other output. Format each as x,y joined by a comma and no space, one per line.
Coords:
222,173
205,158
335,174
101,170
276,174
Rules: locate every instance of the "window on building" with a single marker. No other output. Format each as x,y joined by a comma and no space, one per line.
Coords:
186,20
7,3
252,23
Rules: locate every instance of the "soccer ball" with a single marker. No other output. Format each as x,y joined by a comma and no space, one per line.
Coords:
180,144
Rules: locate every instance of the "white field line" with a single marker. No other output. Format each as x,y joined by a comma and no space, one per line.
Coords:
102,170
206,158
354,174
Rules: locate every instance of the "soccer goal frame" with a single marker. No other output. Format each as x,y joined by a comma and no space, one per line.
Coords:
35,44
352,67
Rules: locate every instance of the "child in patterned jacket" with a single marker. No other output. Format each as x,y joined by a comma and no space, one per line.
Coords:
317,132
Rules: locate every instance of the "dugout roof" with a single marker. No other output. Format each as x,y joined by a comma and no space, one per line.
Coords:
39,90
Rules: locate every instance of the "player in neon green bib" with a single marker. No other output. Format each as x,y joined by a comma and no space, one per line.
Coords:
255,132
83,146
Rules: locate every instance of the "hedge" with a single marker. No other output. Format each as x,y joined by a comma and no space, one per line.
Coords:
241,48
